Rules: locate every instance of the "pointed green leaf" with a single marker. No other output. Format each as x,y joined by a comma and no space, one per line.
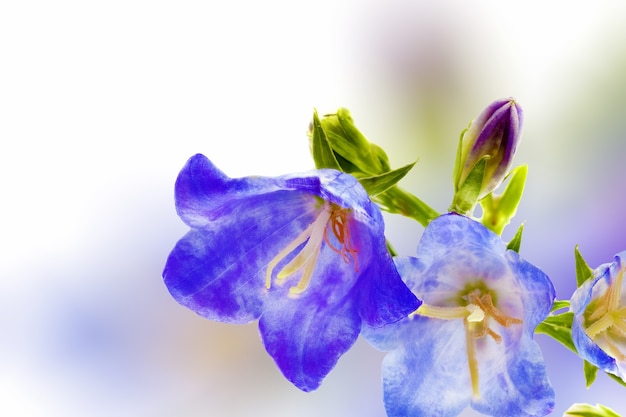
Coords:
347,166
396,200
351,134
583,271
351,145
512,194
560,304
458,163
516,242
379,154
616,379
498,210
390,248
588,410
373,156
590,373
320,148
381,183
559,327
466,196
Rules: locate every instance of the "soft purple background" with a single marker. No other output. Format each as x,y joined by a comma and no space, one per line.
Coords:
101,103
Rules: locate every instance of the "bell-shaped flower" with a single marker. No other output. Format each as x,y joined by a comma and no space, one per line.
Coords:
305,254
599,325
471,340
485,152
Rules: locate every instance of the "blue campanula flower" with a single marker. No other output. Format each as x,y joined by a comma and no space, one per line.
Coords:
599,326
471,340
305,254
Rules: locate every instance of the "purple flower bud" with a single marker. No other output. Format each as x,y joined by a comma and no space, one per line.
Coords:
494,133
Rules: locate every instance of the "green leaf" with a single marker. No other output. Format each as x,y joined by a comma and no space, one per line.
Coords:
390,248
379,154
498,210
320,147
616,379
512,194
559,304
466,197
396,200
583,271
588,410
516,242
380,183
458,163
590,373
347,166
350,144
559,327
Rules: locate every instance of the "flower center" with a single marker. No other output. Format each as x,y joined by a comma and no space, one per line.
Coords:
477,313
331,217
606,320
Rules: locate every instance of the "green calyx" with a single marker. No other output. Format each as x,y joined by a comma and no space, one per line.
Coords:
588,410
498,210
336,143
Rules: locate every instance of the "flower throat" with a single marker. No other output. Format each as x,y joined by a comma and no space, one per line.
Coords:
331,217
477,309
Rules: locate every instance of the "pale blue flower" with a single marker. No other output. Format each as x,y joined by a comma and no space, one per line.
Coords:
599,326
471,341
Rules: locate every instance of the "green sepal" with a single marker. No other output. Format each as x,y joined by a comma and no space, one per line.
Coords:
560,304
380,183
583,271
498,210
390,248
516,242
361,157
351,152
591,371
397,201
588,410
559,327
466,196
321,150
616,379
381,156
337,143
458,163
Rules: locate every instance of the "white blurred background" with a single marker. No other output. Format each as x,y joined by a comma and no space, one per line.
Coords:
101,103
